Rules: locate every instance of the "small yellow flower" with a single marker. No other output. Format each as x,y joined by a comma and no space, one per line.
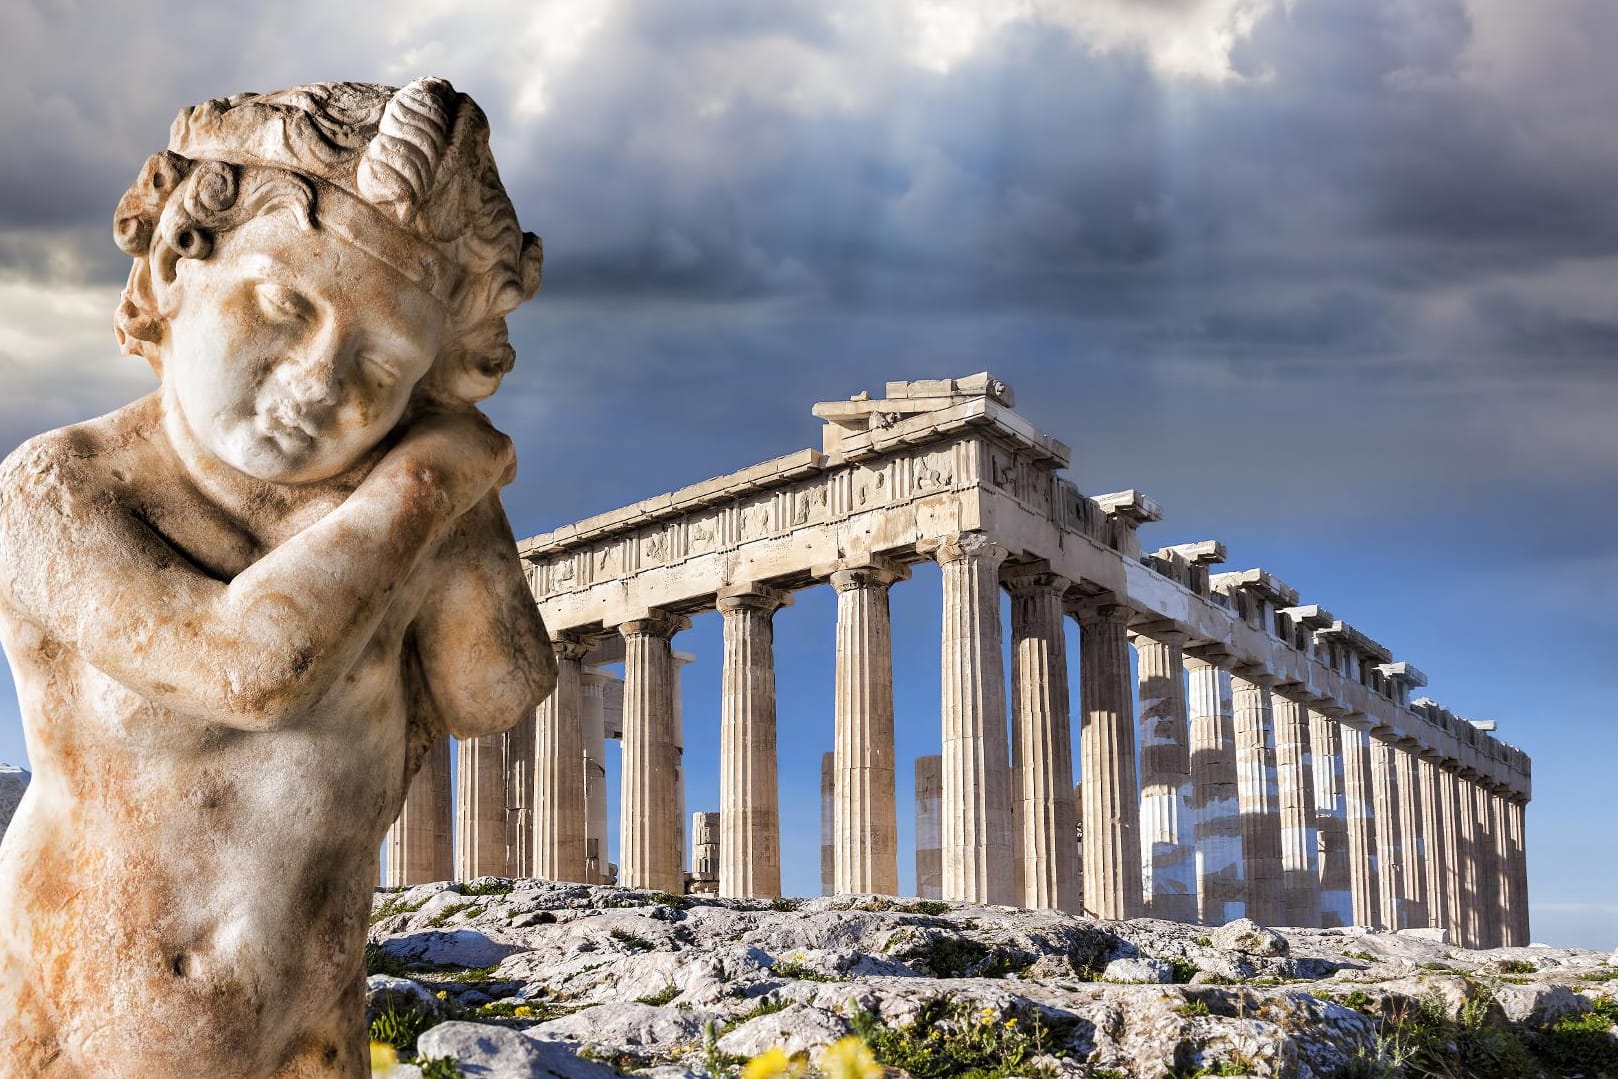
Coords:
383,1058
522,1011
770,1064
987,1015
850,1058
1011,1022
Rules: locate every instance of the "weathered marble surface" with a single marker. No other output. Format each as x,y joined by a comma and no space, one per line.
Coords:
239,609
632,977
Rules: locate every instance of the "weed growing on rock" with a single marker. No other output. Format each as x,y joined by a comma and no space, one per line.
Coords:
1515,966
1184,970
950,1039
668,899
439,1068
1419,1039
487,886
633,941
788,968
1579,1044
441,919
378,961
398,1029
1192,1008
963,957
781,903
661,997
932,908
396,904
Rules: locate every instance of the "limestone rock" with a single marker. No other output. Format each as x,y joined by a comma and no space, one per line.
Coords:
1143,971
795,1028
457,948
630,1025
13,781
384,993
1248,937
1539,1004
490,1052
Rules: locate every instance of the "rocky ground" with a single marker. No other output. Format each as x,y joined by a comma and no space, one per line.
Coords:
513,979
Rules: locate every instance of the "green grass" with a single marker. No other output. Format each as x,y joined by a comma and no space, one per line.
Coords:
784,904
493,886
787,968
930,907
439,1068
395,904
441,919
963,957
1192,1009
399,1029
1515,966
378,961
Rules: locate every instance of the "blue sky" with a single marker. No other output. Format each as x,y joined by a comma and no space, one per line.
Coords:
1333,280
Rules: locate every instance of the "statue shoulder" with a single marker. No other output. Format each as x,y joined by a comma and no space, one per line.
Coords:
82,454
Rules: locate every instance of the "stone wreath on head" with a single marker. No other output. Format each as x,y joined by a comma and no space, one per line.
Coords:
404,174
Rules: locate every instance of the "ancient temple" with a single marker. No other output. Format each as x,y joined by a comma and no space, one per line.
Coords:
1260,757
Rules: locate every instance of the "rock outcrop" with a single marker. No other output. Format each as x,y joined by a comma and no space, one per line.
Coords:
576,980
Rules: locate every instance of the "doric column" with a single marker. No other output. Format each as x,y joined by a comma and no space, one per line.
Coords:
1451,852
650,825
480,807
680,660
1168,850
1331,815
1413,875
1390,855
707,850
1488,894
1432,838
929,826
1295,782
828,823
518,752
1471,933
1359,801
1501,822
865,818
749,813
1042,764
559,804
1111,792
1258,794
593,691
1221,883
1516,814
419,842
977,769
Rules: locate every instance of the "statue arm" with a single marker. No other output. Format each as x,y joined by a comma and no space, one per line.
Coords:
483,647
253,653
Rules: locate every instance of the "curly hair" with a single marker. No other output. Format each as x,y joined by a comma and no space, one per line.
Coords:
405,174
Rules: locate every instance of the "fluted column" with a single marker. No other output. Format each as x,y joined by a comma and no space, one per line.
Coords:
419,841
593,693
1111,792
518,752
828,823
1471,935
1413,876
1390,855
929,826
977,770
1331,816
1516,815
1364,877
1295,781
1488,894
1432,839
559,801
650,825
1221,880
1168,851
1452,852
1258,794
1501,821
865,818
749,813
1042,764
480,807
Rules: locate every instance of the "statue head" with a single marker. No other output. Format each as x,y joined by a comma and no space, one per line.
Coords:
310,264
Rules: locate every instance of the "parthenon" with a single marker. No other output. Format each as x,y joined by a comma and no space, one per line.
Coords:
1259,757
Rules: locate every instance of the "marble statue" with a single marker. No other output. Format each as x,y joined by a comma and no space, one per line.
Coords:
240,609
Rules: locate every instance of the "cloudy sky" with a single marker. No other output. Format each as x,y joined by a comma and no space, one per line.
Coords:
1333,280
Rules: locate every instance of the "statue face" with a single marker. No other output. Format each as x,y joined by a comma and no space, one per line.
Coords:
290,353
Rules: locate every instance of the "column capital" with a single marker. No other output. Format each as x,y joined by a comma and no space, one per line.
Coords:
1099,611
1158,631
871,572
1328,707
1295,691
748,596
656,622
1252,672
958,546
570,646
1357,720
1032,579
1213,654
